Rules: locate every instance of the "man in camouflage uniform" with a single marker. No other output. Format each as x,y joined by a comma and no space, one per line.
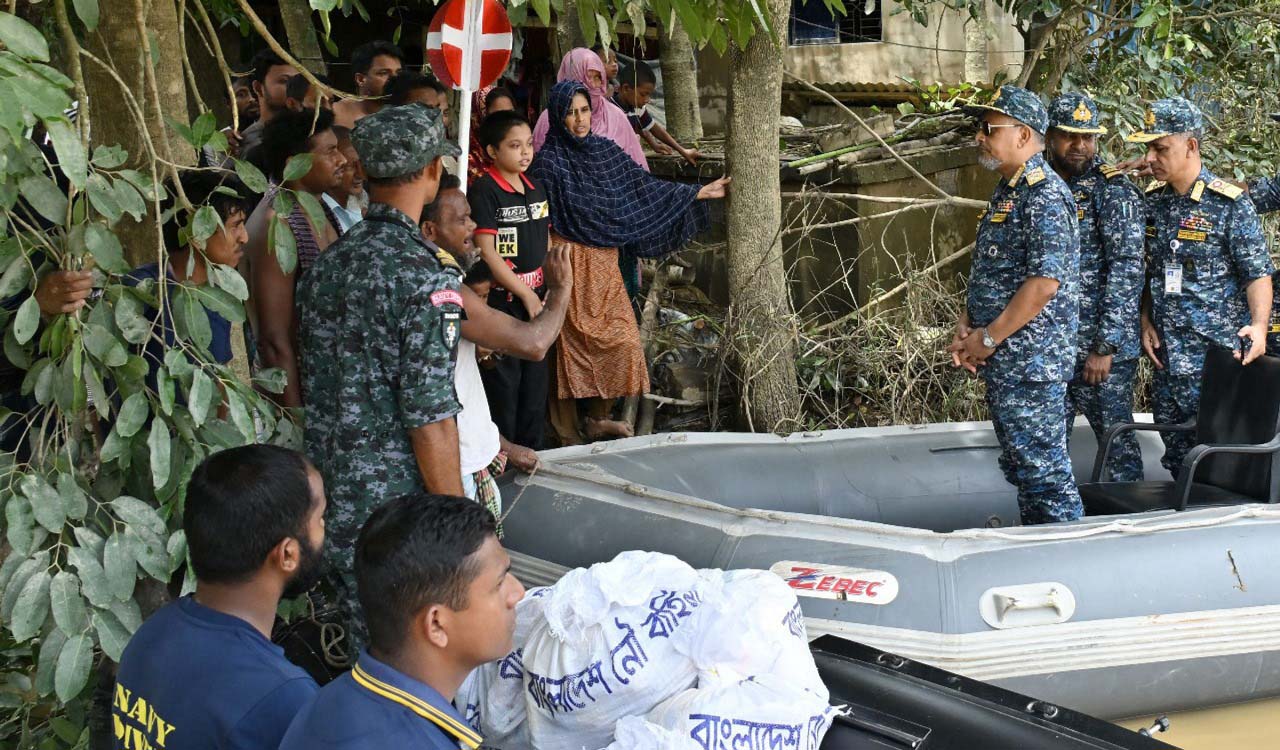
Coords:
1207,266
1265,192
380,321
1019,328
1110,214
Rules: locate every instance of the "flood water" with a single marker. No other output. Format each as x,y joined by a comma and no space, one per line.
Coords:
1245,725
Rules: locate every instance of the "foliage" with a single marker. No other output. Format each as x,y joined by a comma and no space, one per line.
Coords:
92,505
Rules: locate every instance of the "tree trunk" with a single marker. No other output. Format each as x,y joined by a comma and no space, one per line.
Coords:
976,67
761,329
680,83
160,94
568,32
300,29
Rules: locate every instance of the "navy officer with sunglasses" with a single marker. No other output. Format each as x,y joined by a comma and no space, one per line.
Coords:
1018,331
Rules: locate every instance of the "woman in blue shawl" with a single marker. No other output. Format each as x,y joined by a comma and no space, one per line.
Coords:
601,201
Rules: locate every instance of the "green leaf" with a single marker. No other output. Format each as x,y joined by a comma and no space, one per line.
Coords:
103,199
12,562
16,277
47,662
120,564
113,636
44,381
128,613
129,199
131,318
283,245
219,301
93,579
252,177
271,380
105,248
66,730
183,130
31,608
88,12
311,206
198,402
89,539
144,184
297,167
159,445
228,278
177,549
109,157
67,604
74,663
20,524
71,156
44,196
204,224
18,582
75,504
190,319
114,447
240,414
152,555
138,513
203,129
27,320
165,390
103,344
22,38
45,502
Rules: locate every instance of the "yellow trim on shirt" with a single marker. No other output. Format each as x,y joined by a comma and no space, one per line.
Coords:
463,733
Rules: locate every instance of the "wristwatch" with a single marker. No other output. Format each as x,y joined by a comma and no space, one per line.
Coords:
987,341
1104,349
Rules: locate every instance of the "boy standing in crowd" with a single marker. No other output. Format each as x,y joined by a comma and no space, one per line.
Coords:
635,88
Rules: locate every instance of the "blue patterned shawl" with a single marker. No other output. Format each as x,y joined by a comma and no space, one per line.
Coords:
600,197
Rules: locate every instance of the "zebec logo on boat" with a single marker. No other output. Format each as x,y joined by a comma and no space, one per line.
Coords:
860,585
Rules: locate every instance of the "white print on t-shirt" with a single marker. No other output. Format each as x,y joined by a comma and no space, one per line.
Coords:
539,210
513,215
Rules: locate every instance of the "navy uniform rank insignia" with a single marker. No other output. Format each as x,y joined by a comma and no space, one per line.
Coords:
1155,185
1035,176
1109,171
1222,187
1001,211
448,261
1198,190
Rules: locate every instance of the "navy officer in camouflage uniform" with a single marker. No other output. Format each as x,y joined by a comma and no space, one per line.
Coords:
1019,328
1207,267
380,321
1110,213
1265,192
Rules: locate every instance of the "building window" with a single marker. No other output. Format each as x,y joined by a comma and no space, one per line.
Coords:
812,23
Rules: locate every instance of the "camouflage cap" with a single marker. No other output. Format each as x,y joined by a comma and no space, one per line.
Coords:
1076,113
1018,103
396,141
1167,117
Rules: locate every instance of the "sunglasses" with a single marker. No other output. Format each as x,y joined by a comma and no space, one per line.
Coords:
988,129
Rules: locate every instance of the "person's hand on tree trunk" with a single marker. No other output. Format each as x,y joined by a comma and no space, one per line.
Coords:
714,190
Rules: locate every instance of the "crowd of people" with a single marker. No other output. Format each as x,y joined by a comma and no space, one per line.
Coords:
1076,273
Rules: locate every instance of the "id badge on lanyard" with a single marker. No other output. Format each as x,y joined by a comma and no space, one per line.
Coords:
1173,271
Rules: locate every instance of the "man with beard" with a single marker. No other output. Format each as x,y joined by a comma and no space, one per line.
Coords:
1111,217
202,672
483,451
1019,328
373,65
1210,274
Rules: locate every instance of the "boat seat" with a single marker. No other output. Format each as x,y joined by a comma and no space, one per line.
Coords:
1236,458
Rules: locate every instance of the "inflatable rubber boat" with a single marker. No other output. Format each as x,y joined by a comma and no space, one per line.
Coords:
907,539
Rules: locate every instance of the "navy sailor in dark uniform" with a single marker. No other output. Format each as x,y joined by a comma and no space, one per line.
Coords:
439,600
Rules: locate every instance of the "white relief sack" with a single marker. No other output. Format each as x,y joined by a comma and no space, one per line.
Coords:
750,625
610,644
757,714
634,733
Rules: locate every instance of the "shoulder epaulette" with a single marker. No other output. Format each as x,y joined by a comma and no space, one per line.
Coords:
1109,171
1035,176
1222,187
1155,185
447,260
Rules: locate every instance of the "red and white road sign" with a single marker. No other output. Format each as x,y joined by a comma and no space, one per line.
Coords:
469,43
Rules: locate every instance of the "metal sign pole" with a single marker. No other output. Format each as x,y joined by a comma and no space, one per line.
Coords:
464,138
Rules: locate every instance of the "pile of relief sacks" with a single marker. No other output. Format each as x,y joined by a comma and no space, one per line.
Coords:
646,653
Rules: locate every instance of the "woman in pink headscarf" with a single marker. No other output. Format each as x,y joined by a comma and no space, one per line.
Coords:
607,120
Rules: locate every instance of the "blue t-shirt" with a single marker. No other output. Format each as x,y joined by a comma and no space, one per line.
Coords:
193,678
219,347
375,707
